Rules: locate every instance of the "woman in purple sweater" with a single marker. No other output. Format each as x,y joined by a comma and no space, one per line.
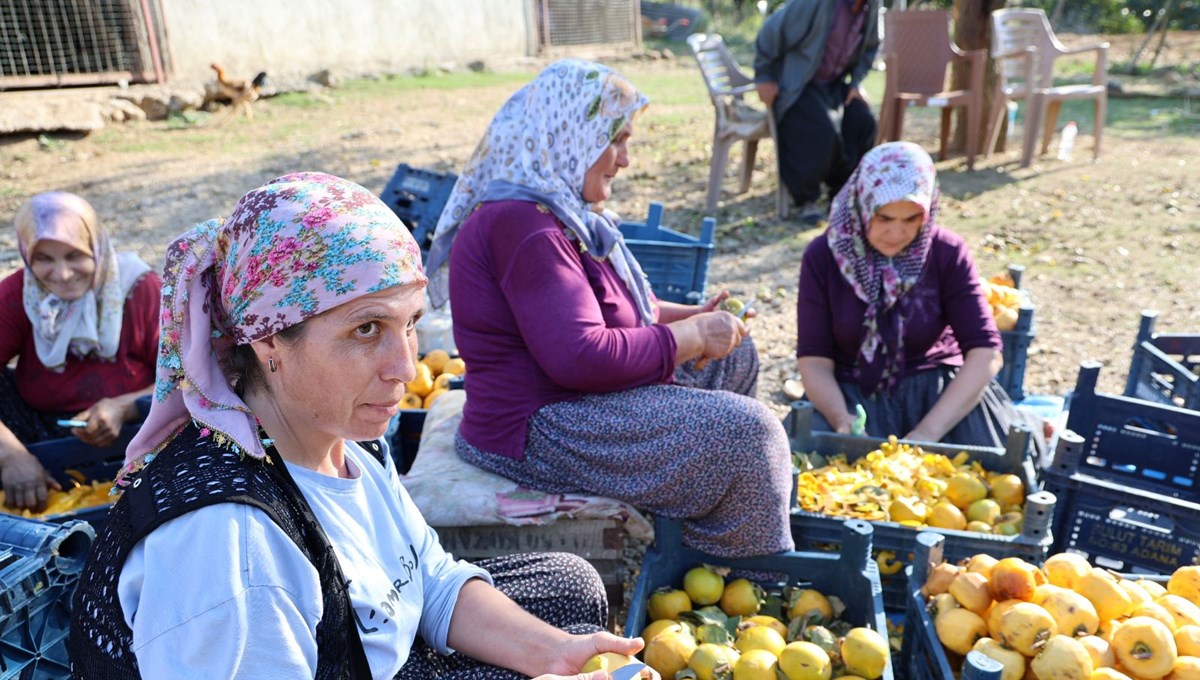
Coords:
891,314
581,380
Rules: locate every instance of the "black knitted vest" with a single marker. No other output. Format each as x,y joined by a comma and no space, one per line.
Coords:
190,473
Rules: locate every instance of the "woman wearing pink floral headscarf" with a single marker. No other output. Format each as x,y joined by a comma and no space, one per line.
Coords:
81,320
261,529
891,316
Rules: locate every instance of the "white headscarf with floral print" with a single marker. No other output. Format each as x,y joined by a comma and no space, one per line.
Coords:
538,148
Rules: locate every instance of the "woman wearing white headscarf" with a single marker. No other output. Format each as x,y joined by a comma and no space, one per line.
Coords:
82,322
581,380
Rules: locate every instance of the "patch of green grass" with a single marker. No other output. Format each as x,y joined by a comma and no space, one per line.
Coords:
201,139
432,81
299,100
1141,114
674,87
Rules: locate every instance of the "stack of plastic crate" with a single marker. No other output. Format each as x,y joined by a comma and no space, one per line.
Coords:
1016,343
1127,477
40,564
1165,366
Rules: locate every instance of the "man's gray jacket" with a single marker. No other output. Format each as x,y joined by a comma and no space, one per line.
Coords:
791,43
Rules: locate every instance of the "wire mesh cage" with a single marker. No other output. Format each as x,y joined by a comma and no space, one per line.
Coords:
61,42
574,23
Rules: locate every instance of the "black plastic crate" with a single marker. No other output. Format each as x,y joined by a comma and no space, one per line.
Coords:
1117,527
850,575
417,196
1016,354
922,655
1134,443
676,264
1016,343
406,441
1165,366
816,531
40,564
94,464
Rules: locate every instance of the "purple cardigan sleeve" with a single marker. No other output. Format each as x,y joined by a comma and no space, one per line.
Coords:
561,321
965,305
814,319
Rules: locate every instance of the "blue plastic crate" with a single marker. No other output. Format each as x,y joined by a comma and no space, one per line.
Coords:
40,564
1016,354
676,264
417,196
1165,366
816,531
1118,527
1131,442
921,654
1016,343
851,575
406,440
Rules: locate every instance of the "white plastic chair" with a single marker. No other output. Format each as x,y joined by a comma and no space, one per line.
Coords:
736,121
1025,49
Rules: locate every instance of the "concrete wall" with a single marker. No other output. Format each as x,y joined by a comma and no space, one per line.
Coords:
297,38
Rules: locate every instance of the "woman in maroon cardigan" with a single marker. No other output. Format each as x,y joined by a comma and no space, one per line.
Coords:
891,315
581,380
82,322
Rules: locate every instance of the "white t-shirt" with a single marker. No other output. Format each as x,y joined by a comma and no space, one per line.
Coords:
239,599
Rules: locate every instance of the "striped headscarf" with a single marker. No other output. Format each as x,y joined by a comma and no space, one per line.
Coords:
897,171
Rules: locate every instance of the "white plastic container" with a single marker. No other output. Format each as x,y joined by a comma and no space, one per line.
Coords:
435,330
1066,142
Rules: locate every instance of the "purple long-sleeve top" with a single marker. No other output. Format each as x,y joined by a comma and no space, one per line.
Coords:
946,313
537,322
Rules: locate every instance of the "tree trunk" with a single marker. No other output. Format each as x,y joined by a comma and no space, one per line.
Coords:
1162,38
972,31
1158,19
1056,16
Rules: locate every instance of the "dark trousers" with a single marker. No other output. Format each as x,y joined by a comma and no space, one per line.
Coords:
821,140
28,425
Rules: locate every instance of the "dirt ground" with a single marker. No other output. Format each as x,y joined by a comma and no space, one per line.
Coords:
1100,240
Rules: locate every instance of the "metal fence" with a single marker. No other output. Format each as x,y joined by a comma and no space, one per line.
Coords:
574,23
78,42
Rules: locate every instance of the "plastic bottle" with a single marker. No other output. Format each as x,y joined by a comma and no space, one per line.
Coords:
1066,143
1012,118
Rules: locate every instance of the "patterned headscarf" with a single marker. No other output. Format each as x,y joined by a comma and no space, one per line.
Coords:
298,246
898,171
90,325
538,148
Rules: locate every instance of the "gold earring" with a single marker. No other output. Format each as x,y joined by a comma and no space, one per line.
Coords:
271,363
